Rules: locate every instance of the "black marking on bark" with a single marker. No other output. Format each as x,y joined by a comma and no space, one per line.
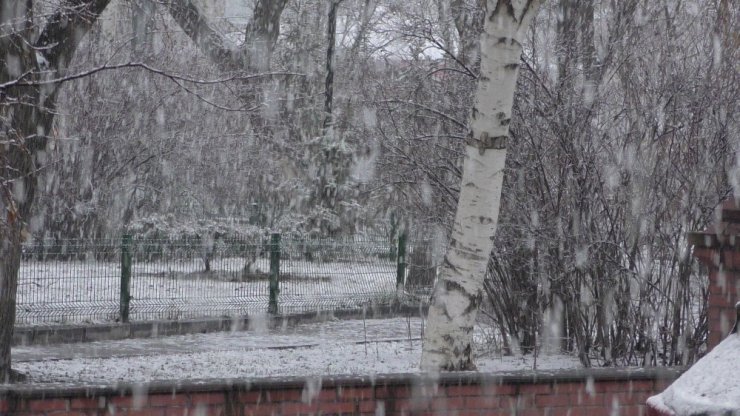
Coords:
499,9
465,363
505,122
474,302
449,265
485,220
485,142
446,313
511,42
526,10
466,254
451,285
511,67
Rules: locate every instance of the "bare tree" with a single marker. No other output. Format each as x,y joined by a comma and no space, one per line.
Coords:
616,158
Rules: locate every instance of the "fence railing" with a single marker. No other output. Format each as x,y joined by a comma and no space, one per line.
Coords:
134,279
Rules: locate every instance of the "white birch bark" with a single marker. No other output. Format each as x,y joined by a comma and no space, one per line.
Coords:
459,290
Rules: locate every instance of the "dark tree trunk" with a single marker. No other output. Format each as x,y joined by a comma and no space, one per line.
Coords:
27,104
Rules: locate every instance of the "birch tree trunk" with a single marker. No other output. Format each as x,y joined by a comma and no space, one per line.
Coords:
459,290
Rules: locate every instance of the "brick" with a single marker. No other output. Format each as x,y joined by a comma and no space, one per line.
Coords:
385,392
283,395
410,406
87,403
250,397
609,386
574,411
536,388
270,412
456,400
367,406
260,408
732,260
628,398
465,390
448,402
597,411
482,402
468,412
206,398
552,400
121,402
262,411
4,405
426,391
529,412
660,385
640,385
720,300
526,401
204,410
355,393
586,399
498,389
347,407
326,395
157,400
152,411
43,405
558,411
295,408
558,388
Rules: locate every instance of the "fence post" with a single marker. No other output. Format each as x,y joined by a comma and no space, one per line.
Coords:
401,262
125,298
274,273
394,231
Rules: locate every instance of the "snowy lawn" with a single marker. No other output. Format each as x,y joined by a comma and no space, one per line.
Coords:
353,347
56,292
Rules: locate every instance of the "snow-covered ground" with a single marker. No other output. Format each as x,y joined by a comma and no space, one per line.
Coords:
355,347
89,291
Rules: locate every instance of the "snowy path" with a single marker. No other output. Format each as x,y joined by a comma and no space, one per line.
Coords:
300,336
328,348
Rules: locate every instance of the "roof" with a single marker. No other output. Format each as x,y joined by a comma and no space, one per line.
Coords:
709,387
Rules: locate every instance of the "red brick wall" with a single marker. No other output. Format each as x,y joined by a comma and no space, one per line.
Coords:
723,291
587,392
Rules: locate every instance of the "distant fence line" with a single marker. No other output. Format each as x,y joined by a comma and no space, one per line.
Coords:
137,279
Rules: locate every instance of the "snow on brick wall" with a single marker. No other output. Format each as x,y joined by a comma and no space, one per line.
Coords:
583,392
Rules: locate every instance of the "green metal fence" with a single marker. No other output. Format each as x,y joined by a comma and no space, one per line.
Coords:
133,279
